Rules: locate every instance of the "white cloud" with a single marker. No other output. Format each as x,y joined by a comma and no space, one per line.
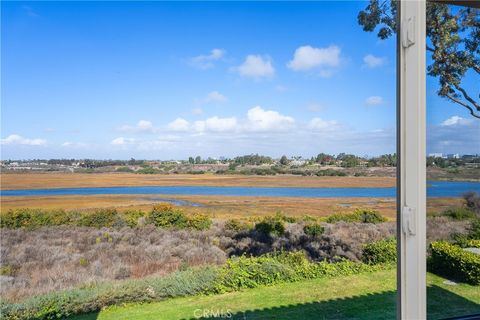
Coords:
197,111
69,144
281,88
314,107
145,125
216,124
15,139
307,58
257,119
29,11
374,101
142,126
320,124
207,61
454,135
256,66
456,120
372,61
266,120
179,124
122,141
215,96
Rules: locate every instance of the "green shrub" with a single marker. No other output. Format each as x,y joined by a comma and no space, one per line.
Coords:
459,213
474,229
236,225
250,272
124,169
199,222
33,218
382,251
83,262
16,218
131,217
99,218
196,172
314,230
7,271
452,261
467,243
271,226
283,217
161,216
330,173
358,215
148,170
165,216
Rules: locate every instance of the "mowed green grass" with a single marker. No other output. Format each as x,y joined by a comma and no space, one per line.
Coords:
366,296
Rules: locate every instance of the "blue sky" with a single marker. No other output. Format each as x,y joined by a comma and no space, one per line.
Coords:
168,80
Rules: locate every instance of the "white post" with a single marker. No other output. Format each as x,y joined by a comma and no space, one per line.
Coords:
412,153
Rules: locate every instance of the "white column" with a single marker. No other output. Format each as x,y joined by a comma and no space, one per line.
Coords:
412,152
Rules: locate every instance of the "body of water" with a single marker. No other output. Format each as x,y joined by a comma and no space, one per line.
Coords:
434,189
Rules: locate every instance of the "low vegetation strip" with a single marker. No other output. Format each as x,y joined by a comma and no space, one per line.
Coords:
236,274
163,215
367,296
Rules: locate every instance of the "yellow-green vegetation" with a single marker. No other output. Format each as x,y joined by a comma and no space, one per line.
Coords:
453,261
164,216
314,229
237,225
358,215
381,251
364,296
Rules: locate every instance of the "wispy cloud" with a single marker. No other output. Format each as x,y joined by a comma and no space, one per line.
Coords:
207,61
29,11
456,121
179,124
374,101
314,107
142,126
372,61
454,135
15,139
70,144
120,141
197,111
322,125
256,66
215,96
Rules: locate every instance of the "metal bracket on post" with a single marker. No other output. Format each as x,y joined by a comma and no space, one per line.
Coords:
409,225
408,32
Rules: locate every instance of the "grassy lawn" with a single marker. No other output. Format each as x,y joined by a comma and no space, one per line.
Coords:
366,296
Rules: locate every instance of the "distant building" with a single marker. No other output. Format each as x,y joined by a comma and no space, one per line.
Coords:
297,162
453,156
436,155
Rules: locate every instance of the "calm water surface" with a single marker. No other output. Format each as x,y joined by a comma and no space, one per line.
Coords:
434,189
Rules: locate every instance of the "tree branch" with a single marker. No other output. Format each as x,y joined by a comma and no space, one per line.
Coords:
467,97
476,67
463,104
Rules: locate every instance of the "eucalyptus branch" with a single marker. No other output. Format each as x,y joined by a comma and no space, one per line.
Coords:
467,97
463,104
